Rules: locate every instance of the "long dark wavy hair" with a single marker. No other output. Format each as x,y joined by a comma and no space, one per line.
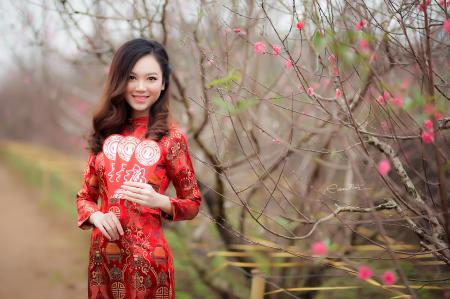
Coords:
114,112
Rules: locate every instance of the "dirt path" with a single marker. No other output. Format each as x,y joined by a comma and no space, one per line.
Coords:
41,254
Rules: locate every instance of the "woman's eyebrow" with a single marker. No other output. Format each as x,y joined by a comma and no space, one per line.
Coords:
152,73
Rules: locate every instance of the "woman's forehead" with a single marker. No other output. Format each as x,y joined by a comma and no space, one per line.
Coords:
147,65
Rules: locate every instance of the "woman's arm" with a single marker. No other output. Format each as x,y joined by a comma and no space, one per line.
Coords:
185,205
87,196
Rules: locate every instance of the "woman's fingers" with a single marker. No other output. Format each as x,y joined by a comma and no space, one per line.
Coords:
109,225
131,188
104,232
108,228
117,222
135,195
138,201
113,229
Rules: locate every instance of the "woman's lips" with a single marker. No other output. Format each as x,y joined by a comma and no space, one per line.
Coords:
140,99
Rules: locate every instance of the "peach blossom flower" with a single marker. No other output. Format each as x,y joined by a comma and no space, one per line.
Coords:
276,49
365,272
319,248
427,137
259,47
388,278
384,167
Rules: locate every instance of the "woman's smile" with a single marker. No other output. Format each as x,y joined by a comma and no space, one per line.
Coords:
140,99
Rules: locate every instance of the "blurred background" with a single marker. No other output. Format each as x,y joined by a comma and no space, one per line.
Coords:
319,132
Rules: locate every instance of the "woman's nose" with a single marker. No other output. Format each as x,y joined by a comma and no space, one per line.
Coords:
140,85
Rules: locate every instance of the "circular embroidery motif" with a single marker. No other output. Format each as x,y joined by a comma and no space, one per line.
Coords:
147,152
126,147
110,146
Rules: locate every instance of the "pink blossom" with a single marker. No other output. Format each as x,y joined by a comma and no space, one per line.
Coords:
301,88
446,25
386,95
428,124
259,47
380,100
442,3
373,57
388,278
384,167
429,108
288,63
363,43
276,49
365,272
397,101
361,24
276,141
300,25
338,93
237,29
332,59
319,248
437,115
421,7
310,91
385,124
427,137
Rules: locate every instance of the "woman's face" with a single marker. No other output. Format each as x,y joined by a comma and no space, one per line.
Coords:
144,86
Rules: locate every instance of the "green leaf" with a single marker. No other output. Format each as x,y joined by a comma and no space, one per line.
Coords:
224,106
244,104
226,82
228,108
317,40
408,104
419,99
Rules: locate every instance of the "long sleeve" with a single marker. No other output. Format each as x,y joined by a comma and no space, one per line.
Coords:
185,205
87,196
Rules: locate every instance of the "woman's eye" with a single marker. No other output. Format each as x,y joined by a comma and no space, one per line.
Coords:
152,78
132,77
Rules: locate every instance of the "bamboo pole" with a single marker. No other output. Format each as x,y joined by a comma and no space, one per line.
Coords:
258,284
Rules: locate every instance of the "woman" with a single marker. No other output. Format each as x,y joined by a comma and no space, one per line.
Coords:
129,256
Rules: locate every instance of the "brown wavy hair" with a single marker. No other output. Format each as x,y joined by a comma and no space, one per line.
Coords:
113,113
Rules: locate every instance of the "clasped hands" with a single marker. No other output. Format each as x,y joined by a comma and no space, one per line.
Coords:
140,193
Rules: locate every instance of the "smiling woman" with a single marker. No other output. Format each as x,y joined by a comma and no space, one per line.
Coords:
144,88
135,152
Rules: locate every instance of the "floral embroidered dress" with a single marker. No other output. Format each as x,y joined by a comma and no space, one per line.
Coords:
139,264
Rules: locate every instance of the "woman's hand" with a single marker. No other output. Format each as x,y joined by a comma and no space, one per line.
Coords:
108,224
141,193
144,194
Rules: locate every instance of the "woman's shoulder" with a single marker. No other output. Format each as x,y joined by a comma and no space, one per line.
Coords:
174,130
174,134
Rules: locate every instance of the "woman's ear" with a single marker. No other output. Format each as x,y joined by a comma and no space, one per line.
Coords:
163,86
